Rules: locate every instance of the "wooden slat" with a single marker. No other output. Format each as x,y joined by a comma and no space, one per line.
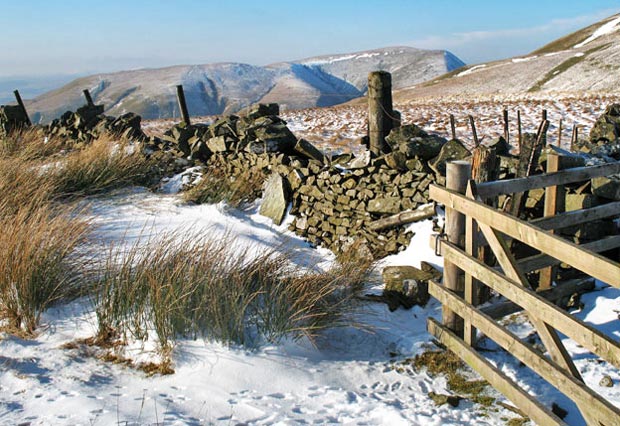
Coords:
594,408
539,261
577,217
534,409
547,334
591,263
577,174
581,332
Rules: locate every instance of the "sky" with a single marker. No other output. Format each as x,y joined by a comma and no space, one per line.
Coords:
45,38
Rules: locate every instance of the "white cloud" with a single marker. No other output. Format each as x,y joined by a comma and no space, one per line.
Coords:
482,45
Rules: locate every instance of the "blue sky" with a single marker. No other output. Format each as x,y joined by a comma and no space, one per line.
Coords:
82,37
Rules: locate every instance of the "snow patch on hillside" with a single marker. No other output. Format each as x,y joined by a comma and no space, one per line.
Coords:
608,28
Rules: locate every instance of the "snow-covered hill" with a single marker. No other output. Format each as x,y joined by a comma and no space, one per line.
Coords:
228,87
586,60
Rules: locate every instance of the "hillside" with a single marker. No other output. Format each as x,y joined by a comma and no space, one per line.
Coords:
225,88
586,60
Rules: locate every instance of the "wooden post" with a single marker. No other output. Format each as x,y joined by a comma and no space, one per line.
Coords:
457,175
574,137
484,168
473,130
379,110
182,105
554,203
89,99
520,140
544,115
20,102
453,126
560,134
506,129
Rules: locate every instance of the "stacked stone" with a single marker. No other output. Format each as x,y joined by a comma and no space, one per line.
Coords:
334,207
12,117
89,122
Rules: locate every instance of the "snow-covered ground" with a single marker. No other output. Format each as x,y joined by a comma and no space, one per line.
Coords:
348,376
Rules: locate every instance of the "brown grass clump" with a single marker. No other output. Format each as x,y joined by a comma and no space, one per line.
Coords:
198,286
30,144
38,263
103,165
217,186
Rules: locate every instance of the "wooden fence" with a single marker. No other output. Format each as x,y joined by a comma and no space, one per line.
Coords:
509,280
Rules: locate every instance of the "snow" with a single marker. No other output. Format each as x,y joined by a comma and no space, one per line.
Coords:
471,70
346,377
526,59
608,28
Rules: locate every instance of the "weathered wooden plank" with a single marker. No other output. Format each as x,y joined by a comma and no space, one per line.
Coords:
539,261
554,204
457,175
582,333
554,295
594,408
547,334
577,217
576,174
534,409
425,211
591,263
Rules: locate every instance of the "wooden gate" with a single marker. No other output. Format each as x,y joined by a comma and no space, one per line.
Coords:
509,280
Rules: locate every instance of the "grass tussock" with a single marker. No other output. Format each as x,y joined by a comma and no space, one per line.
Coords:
198,286
216,186
38,263
103,165
450,365
30,144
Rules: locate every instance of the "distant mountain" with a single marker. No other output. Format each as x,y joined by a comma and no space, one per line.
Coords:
225,88
586,60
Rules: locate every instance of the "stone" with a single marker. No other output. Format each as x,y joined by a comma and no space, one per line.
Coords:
422,148
580,201
384,205
441,399
410,284
308,150
450,151
607,187
261,110
276,198
360,162
403,134
501,146
396,160
217,144
606,382
12,117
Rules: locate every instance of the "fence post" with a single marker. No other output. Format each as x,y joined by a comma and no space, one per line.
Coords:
89,99
20,102
182,104
380,121
457,175
506,128
453,126
554,203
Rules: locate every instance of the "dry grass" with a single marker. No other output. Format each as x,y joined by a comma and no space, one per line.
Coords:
103,165
30,144
217,186
38,262
196,286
